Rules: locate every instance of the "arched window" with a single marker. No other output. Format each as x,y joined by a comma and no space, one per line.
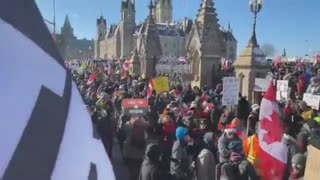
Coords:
241,77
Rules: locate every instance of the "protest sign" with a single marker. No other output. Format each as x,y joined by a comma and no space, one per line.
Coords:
283,90
161,84
231,89
312,100
135,106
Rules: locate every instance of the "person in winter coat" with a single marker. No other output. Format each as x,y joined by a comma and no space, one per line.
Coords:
314,87
226,138
180,164
301,86
237,167
215,115
298,163
167,133
224,120
104,127
306,112
243,109
253,118
151,168
206,160
289,138
135,144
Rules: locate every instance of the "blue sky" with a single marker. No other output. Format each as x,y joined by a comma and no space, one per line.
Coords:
290,24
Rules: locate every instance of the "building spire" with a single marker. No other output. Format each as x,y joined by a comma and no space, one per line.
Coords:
151,13
284,54
67,21
229,27
206,3
150,7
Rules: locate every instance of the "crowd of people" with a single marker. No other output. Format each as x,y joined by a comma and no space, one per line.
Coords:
188,134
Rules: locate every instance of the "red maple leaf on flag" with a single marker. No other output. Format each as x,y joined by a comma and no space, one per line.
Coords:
274,133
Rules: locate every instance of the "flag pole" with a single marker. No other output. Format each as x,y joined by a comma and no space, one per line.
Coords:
54,16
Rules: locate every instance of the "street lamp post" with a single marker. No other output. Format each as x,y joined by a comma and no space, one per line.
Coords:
53,23
255,7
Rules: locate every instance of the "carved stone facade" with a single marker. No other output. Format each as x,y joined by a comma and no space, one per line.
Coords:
250,65
206,46
201,41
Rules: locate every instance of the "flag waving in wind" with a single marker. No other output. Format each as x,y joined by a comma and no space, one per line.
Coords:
273,153
45,130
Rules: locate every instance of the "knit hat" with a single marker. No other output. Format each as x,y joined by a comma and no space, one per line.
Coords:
230,129
299,159
181,133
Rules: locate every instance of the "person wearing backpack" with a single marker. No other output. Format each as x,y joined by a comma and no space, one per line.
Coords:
134,145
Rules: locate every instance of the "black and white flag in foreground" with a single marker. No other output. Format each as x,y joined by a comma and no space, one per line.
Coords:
45,130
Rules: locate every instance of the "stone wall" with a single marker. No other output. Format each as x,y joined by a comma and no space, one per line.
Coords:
172,46
231,50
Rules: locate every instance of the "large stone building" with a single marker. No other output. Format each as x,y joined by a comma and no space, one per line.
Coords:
70,46
201,41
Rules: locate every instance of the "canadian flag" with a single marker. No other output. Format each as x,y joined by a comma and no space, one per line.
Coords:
150,88
91,79
273,152
127,65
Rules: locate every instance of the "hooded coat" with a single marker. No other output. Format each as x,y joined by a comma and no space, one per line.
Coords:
206,160
151,167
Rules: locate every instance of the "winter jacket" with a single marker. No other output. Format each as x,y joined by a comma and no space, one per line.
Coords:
151,168
179,165
130,149
223,143
292,150
205,164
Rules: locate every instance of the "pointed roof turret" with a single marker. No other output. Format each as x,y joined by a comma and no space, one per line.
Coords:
208,29
67,21
284,54
151,12
66,29
206,3
152,35
229,27
125,4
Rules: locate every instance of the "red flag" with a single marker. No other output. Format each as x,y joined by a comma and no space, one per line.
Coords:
273,152
91,79
150,88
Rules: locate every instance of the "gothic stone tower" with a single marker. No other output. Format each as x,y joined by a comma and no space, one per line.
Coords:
150,50
127,26
163,11
101,33
67,37
206,46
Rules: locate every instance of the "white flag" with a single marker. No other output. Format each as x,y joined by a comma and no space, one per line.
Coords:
45,131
